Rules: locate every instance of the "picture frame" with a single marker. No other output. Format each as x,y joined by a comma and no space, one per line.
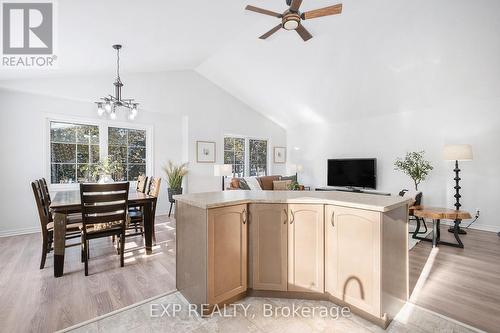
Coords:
279,155
205,152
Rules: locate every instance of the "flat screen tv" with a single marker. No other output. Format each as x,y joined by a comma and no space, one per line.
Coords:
357,172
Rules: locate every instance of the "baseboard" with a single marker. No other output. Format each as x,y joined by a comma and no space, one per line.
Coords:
17,232
476,226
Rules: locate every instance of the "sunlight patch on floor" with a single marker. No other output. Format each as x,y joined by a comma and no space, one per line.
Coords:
424,275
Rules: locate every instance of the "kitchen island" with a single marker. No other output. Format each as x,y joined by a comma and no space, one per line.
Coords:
349,248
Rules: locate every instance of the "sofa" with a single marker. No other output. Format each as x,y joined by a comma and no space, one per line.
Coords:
264,183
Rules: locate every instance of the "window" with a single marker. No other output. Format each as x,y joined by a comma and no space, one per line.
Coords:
234,153
247,156
74,148
258,157
128,146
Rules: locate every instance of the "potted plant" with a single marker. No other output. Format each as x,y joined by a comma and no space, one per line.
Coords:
105,171
415,166
175,174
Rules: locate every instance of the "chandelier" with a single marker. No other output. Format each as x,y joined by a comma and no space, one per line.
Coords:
111,104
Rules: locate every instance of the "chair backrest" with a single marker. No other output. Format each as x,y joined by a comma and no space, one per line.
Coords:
154,186
142,181
104,203
45,190
41,205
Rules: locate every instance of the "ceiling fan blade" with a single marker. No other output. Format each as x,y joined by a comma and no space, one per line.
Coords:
270,32
294,7
263,11
303,33
331,10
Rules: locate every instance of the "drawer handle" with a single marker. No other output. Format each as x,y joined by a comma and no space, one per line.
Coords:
286,215
293,216
244,216
333,219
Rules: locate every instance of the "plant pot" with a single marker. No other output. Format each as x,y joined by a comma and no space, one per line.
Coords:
172,192
105,179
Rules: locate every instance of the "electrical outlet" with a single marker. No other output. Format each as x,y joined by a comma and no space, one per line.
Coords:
477,212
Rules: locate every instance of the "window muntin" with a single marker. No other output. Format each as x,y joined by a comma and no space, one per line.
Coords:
74,149
128,147
247,156
257,157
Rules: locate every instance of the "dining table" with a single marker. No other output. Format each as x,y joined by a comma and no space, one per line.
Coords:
68,202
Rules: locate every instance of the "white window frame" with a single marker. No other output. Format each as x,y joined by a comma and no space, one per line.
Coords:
103,125
247,151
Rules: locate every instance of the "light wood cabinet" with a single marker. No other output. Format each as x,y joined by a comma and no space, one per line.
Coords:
353,257
268,246
305,248
227,253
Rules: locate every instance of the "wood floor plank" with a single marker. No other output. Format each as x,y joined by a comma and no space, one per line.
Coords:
32,300
463,284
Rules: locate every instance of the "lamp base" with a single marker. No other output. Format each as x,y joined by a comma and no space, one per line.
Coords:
460,230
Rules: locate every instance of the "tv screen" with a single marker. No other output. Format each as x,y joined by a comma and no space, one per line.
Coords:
353,172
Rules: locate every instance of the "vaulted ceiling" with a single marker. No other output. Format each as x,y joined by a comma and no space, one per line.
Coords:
377,57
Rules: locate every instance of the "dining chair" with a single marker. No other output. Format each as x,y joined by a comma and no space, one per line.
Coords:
142,186
416,204
104,213
137,217
73,222
142,182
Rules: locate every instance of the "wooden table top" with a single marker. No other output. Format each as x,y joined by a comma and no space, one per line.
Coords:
441,213
64,200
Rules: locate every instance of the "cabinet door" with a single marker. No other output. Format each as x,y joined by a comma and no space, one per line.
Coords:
268,245
305,248
227,252
352,257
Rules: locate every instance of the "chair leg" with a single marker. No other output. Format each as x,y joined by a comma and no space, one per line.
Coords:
425,225
83,251
86,257
122,248
44,253
170,210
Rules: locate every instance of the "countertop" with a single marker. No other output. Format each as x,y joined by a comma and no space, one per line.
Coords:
346,199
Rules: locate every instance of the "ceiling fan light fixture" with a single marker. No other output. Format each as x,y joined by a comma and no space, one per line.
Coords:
291,21
291,25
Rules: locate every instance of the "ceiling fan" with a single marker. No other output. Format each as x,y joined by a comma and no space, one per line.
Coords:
291,18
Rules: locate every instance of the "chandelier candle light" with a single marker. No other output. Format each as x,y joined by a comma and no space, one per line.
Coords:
111,104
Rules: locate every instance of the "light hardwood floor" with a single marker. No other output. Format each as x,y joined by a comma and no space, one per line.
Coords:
463,284
32,300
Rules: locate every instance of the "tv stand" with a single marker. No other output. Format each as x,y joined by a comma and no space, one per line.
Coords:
351,189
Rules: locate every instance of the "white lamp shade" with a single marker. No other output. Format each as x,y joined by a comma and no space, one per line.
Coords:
457,152
221,170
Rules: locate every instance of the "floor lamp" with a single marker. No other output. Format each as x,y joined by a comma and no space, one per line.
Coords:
457,153
223,170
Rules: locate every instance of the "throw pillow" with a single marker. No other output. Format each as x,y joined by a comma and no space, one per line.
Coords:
235,183
253,183
281,185
292,178
243,185
266,182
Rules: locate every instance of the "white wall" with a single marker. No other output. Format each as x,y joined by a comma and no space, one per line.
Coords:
390,136
181,106
23,136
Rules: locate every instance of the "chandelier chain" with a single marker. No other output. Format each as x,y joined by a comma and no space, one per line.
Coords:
118,64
